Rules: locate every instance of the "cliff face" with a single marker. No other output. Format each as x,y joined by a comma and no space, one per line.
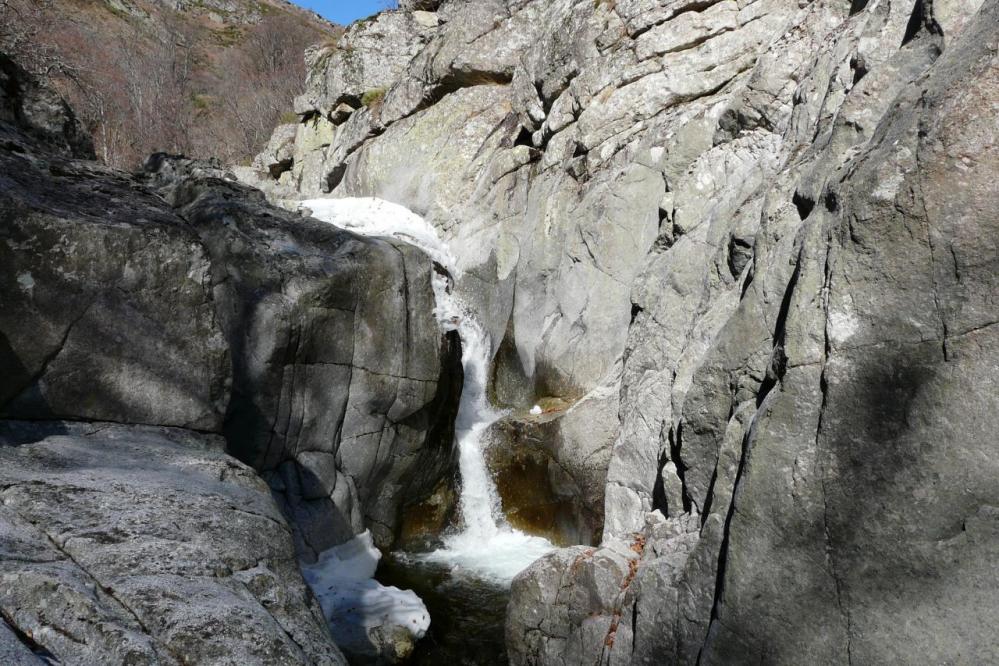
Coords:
751,244
168,338
742,254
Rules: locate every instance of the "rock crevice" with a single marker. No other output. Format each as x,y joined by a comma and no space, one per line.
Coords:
728,220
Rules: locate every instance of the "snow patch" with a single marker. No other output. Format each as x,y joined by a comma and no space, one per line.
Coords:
368,216
354,603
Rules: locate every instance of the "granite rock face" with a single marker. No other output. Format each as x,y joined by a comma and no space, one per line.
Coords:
344,388
549,468
181,298
40,113
755,238
154,329
85,259
148,545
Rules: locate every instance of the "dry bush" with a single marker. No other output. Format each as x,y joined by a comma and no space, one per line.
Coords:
162,85
254,86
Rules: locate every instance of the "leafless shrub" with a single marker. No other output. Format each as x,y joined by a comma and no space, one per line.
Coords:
163,85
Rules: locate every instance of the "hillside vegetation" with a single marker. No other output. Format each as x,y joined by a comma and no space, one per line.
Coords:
207,78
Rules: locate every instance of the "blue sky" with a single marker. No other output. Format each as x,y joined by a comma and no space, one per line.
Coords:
343,11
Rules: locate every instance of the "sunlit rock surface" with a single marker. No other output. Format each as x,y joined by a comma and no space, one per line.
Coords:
746,246
749,224
147,545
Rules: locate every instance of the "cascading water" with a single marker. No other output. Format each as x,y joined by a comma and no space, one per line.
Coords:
486,546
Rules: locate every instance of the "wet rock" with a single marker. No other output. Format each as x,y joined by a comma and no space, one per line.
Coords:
538,497
547,482
422,524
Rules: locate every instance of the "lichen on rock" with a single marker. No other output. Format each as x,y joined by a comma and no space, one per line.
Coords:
724,218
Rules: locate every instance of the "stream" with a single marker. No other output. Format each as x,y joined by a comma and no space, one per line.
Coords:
468,612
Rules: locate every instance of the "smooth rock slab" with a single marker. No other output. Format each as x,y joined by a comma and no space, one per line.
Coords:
127,544
106,310
344,387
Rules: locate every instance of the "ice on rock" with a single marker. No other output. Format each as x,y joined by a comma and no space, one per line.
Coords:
354,603
368,216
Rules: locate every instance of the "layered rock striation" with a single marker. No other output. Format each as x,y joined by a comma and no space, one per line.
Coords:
750,244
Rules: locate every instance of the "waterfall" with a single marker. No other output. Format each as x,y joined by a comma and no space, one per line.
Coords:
480,503
487,546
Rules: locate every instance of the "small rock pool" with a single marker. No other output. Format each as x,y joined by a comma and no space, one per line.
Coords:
467,613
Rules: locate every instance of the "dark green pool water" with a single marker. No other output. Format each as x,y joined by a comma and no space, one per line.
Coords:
467,614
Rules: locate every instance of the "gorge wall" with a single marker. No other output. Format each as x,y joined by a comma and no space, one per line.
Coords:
749,247
169,342
740,254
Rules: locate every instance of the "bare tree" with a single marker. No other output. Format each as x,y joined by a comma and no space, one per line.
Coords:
166,84
24,27
257,84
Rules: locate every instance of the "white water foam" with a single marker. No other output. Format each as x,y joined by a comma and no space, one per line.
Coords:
486,546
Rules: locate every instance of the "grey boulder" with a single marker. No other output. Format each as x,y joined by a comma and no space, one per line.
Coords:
147,545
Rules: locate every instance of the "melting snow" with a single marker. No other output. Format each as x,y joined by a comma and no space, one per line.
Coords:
353,602
375,217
